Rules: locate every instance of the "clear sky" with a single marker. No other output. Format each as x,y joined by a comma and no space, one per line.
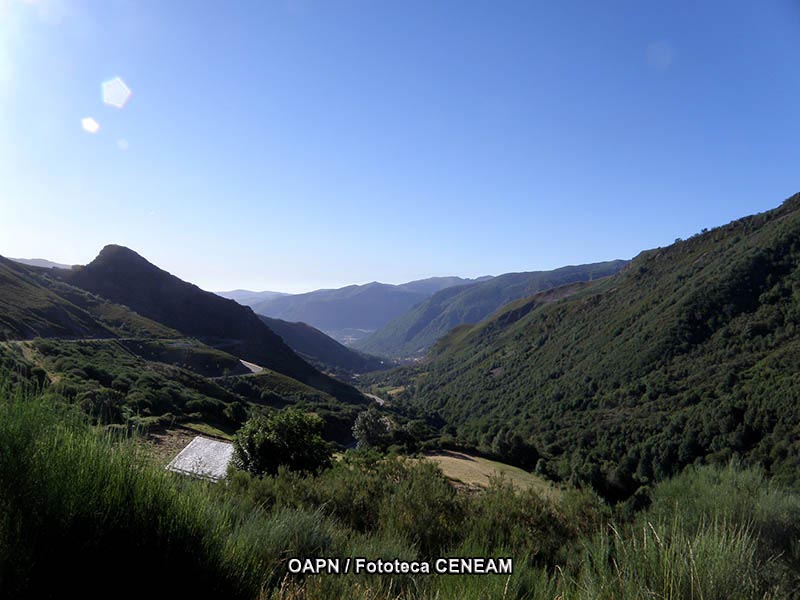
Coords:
298,144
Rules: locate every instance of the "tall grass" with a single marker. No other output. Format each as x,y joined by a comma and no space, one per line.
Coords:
735,494
715,562
85,512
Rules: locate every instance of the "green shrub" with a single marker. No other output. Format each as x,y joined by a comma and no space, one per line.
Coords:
287,438
371,429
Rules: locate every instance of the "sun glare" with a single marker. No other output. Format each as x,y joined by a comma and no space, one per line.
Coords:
90,125
116,93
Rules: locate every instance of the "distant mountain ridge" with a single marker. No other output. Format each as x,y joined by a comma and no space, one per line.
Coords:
250,298
414,332
41,263
355,307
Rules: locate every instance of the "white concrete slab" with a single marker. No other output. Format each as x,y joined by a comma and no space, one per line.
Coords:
204,458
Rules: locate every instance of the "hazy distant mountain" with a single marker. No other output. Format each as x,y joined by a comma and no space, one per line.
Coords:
434,284
414,332
122,276
41,262
321,349
250,298
355,307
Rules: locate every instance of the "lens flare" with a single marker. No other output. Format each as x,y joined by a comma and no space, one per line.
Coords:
90,125
116,93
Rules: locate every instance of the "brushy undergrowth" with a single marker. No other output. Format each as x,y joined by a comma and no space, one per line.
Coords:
84,513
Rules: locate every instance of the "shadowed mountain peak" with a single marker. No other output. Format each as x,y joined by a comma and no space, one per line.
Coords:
123,276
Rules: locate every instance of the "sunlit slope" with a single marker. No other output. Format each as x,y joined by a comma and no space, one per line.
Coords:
691,352
478,471
35,304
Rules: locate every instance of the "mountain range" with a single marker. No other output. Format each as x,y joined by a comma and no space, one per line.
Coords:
690,353
414,332
249,297
354,311
613,374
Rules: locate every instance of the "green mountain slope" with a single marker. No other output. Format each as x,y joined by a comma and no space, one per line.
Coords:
322,350
124,277
691,353
32,304
342,312
145,383
413,333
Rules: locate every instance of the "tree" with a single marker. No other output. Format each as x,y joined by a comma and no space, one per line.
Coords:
510,447
236,412
286,438
371,429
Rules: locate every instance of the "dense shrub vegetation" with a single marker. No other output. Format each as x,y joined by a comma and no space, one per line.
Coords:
124,382
287,438
371,429
79,506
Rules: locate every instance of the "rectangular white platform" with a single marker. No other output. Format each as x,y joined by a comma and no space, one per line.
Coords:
204,458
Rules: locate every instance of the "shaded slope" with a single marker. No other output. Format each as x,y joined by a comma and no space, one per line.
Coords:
690,353
123,276
314,345
34,303
416,331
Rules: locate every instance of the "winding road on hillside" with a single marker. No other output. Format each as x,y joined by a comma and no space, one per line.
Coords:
252,367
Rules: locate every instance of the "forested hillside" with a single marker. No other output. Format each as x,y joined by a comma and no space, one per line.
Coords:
691,353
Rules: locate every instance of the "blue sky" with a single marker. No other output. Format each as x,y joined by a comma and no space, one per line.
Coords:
299,144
